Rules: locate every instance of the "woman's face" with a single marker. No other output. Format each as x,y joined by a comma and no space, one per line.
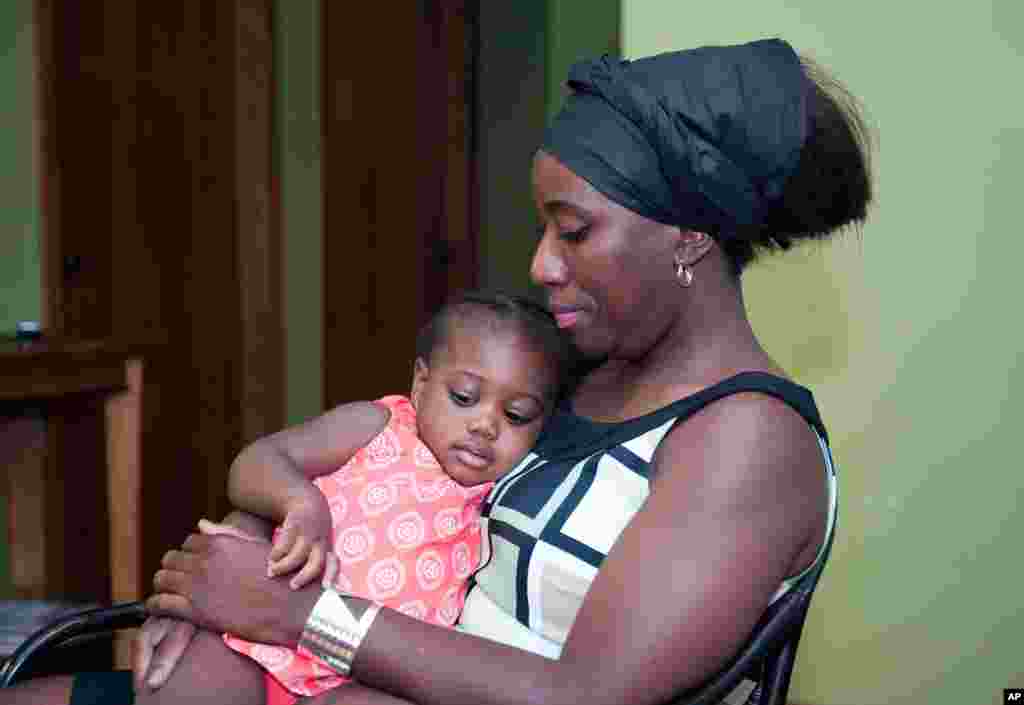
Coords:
609,273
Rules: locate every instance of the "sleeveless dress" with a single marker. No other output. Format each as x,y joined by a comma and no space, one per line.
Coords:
406,535
550,522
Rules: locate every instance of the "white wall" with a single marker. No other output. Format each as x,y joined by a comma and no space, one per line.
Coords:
911,337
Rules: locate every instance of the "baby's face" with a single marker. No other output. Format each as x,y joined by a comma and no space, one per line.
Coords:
481,402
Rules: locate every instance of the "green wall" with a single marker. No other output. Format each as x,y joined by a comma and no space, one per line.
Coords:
510,88
525,53
19,192
910,336
577,29
297,153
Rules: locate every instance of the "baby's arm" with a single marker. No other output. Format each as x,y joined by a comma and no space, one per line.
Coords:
272,478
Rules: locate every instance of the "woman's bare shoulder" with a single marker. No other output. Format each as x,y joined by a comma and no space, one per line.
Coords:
755,454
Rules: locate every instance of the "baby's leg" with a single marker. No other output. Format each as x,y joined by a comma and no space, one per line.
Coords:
210,672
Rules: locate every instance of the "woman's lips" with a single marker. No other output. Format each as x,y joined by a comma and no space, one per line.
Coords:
565,316
567,320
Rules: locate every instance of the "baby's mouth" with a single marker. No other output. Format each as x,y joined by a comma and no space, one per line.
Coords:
473,455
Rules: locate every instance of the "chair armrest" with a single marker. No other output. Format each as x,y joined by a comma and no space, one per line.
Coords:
65,630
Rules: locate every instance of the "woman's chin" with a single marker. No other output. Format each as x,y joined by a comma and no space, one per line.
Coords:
590,347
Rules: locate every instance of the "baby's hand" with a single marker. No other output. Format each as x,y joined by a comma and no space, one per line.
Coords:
302,542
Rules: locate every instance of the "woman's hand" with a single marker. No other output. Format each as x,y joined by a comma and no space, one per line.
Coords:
162,641
303,542
156,650
220,583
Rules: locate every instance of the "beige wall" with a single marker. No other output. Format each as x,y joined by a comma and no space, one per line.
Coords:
910,336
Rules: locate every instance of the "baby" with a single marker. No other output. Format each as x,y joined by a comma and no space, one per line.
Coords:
382,499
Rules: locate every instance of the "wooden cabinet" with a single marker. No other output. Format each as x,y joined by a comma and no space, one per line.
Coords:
70,430
70,440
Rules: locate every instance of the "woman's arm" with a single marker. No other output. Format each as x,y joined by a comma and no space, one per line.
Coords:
273,474
737,504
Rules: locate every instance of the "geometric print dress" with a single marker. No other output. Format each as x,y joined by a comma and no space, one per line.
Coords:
550,522
406,535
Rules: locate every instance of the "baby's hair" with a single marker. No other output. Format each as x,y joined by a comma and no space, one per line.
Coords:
530,319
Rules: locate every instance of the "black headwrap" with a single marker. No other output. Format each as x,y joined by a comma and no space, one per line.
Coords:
703,138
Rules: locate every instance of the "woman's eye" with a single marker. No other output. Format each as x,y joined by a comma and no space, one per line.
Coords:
460,398
574,236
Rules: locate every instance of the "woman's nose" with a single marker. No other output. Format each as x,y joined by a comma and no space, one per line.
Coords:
548,267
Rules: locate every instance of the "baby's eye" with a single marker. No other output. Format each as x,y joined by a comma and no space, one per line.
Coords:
460,398
517,419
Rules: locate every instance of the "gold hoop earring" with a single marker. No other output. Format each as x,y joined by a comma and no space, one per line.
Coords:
684,274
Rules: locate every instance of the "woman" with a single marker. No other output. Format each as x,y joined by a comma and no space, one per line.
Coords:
687,483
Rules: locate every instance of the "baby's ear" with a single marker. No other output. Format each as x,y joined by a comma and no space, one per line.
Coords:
420,372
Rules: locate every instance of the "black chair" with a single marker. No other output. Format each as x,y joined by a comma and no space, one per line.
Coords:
767,658
61,644
769,655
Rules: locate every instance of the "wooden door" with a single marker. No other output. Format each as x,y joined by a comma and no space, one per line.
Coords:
400,231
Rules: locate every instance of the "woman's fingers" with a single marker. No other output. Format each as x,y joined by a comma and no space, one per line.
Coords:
149,635
169,652
169,604
198,543
157,649
182,561
209,528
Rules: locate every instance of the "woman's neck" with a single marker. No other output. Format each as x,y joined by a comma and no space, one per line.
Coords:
710,340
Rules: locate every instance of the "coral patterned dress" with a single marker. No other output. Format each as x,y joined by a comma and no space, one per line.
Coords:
406,535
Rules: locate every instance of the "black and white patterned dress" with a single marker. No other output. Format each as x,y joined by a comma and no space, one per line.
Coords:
550,523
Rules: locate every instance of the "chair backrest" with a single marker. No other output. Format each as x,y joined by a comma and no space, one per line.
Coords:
769,655
66,632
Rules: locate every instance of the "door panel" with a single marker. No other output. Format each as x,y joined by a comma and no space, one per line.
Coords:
160,228
399,218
